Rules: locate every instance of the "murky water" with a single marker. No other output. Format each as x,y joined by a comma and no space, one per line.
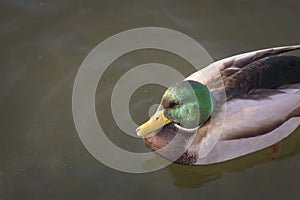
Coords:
43,44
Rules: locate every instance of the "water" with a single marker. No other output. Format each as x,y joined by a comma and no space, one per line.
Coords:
42,46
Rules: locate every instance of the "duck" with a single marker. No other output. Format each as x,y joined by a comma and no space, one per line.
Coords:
233,107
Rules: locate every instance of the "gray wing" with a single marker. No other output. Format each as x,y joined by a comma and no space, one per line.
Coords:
229,149
258,125
262,111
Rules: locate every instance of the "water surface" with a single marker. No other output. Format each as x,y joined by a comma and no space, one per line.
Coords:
43,44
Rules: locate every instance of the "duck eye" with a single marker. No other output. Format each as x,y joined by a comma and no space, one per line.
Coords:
156,118
174,104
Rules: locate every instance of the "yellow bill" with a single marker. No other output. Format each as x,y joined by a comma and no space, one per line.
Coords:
157,121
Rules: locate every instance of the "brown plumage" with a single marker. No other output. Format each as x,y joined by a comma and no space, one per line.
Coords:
268,73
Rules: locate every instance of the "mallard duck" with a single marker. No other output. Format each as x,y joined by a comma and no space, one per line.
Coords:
231,108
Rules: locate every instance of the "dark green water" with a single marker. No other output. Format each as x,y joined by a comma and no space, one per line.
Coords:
43,44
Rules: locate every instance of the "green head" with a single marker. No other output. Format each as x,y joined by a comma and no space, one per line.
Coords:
188,104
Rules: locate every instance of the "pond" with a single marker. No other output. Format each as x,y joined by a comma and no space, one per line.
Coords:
43,44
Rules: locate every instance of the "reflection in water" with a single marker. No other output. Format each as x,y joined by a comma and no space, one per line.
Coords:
196,176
